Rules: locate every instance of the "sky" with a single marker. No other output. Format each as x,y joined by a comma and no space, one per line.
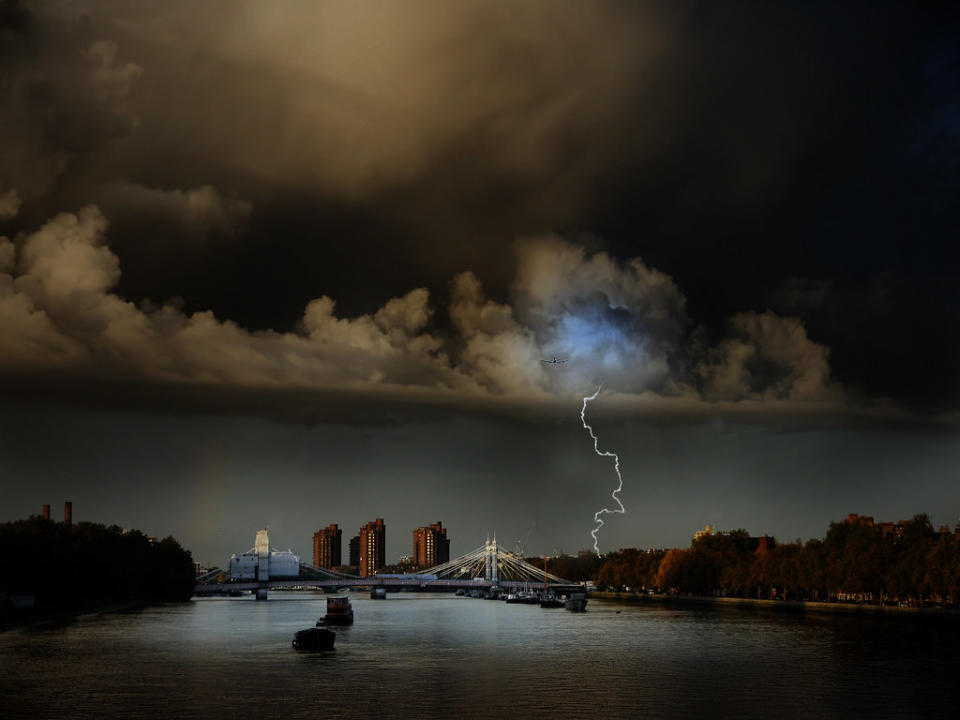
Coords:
287,264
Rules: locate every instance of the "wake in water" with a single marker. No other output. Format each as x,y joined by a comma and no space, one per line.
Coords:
616,466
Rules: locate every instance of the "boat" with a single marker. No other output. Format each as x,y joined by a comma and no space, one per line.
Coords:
577,602
314,639
378,593
549,600
339,611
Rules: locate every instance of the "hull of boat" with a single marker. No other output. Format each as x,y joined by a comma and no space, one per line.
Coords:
314,639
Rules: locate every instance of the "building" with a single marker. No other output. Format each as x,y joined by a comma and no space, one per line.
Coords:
326,547
430,545
355,551
763,544
707,530
262,563
373,547
886,528
855,519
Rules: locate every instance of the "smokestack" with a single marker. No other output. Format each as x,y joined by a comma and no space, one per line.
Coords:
68,513
46,512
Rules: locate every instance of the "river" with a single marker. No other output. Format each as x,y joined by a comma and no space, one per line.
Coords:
442,656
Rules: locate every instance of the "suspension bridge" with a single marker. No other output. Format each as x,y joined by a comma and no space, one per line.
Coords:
488,567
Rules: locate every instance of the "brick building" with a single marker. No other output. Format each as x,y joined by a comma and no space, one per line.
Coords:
354,551
430,545
327,547
373,547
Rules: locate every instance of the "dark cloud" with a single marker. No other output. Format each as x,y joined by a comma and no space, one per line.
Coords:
258,161
619,324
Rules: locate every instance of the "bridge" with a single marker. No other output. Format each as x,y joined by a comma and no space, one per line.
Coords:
487,567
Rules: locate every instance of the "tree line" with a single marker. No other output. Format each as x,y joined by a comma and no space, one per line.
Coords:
854,562
86,565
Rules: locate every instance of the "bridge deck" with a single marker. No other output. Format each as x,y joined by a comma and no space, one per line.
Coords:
219,588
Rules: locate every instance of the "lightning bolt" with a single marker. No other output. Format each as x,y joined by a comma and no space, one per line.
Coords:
616,466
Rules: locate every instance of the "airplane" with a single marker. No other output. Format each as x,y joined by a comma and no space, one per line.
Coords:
554,361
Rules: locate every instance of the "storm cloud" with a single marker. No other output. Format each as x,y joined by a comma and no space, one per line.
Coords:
425,197
622,324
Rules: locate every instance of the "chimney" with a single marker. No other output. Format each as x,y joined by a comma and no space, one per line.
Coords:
68,513
46,512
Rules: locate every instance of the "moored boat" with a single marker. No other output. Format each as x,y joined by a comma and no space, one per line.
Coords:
577,602
549,600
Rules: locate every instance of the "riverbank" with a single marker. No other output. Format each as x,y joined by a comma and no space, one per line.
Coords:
801,606
36,617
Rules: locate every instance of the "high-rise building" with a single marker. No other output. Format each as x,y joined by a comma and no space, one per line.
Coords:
326,547
373,547
430,545
355,551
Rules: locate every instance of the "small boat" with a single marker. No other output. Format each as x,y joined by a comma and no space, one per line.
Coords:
378,593
314,639
549,600
339,611
577,602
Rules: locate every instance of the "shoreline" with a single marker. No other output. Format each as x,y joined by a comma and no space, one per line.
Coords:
53,616
794,606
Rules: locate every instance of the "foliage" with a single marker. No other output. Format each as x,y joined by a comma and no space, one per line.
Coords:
87,563
855,561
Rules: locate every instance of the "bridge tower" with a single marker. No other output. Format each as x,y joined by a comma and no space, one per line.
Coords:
491,562
486,559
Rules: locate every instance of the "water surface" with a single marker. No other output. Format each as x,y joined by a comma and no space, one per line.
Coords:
442,656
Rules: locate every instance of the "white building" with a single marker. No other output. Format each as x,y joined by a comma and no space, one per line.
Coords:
262,563
708,530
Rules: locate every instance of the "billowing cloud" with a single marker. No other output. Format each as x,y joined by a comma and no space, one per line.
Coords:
399,107
193,214
768,357
9,204
65,96
62,285
620,323
497,352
